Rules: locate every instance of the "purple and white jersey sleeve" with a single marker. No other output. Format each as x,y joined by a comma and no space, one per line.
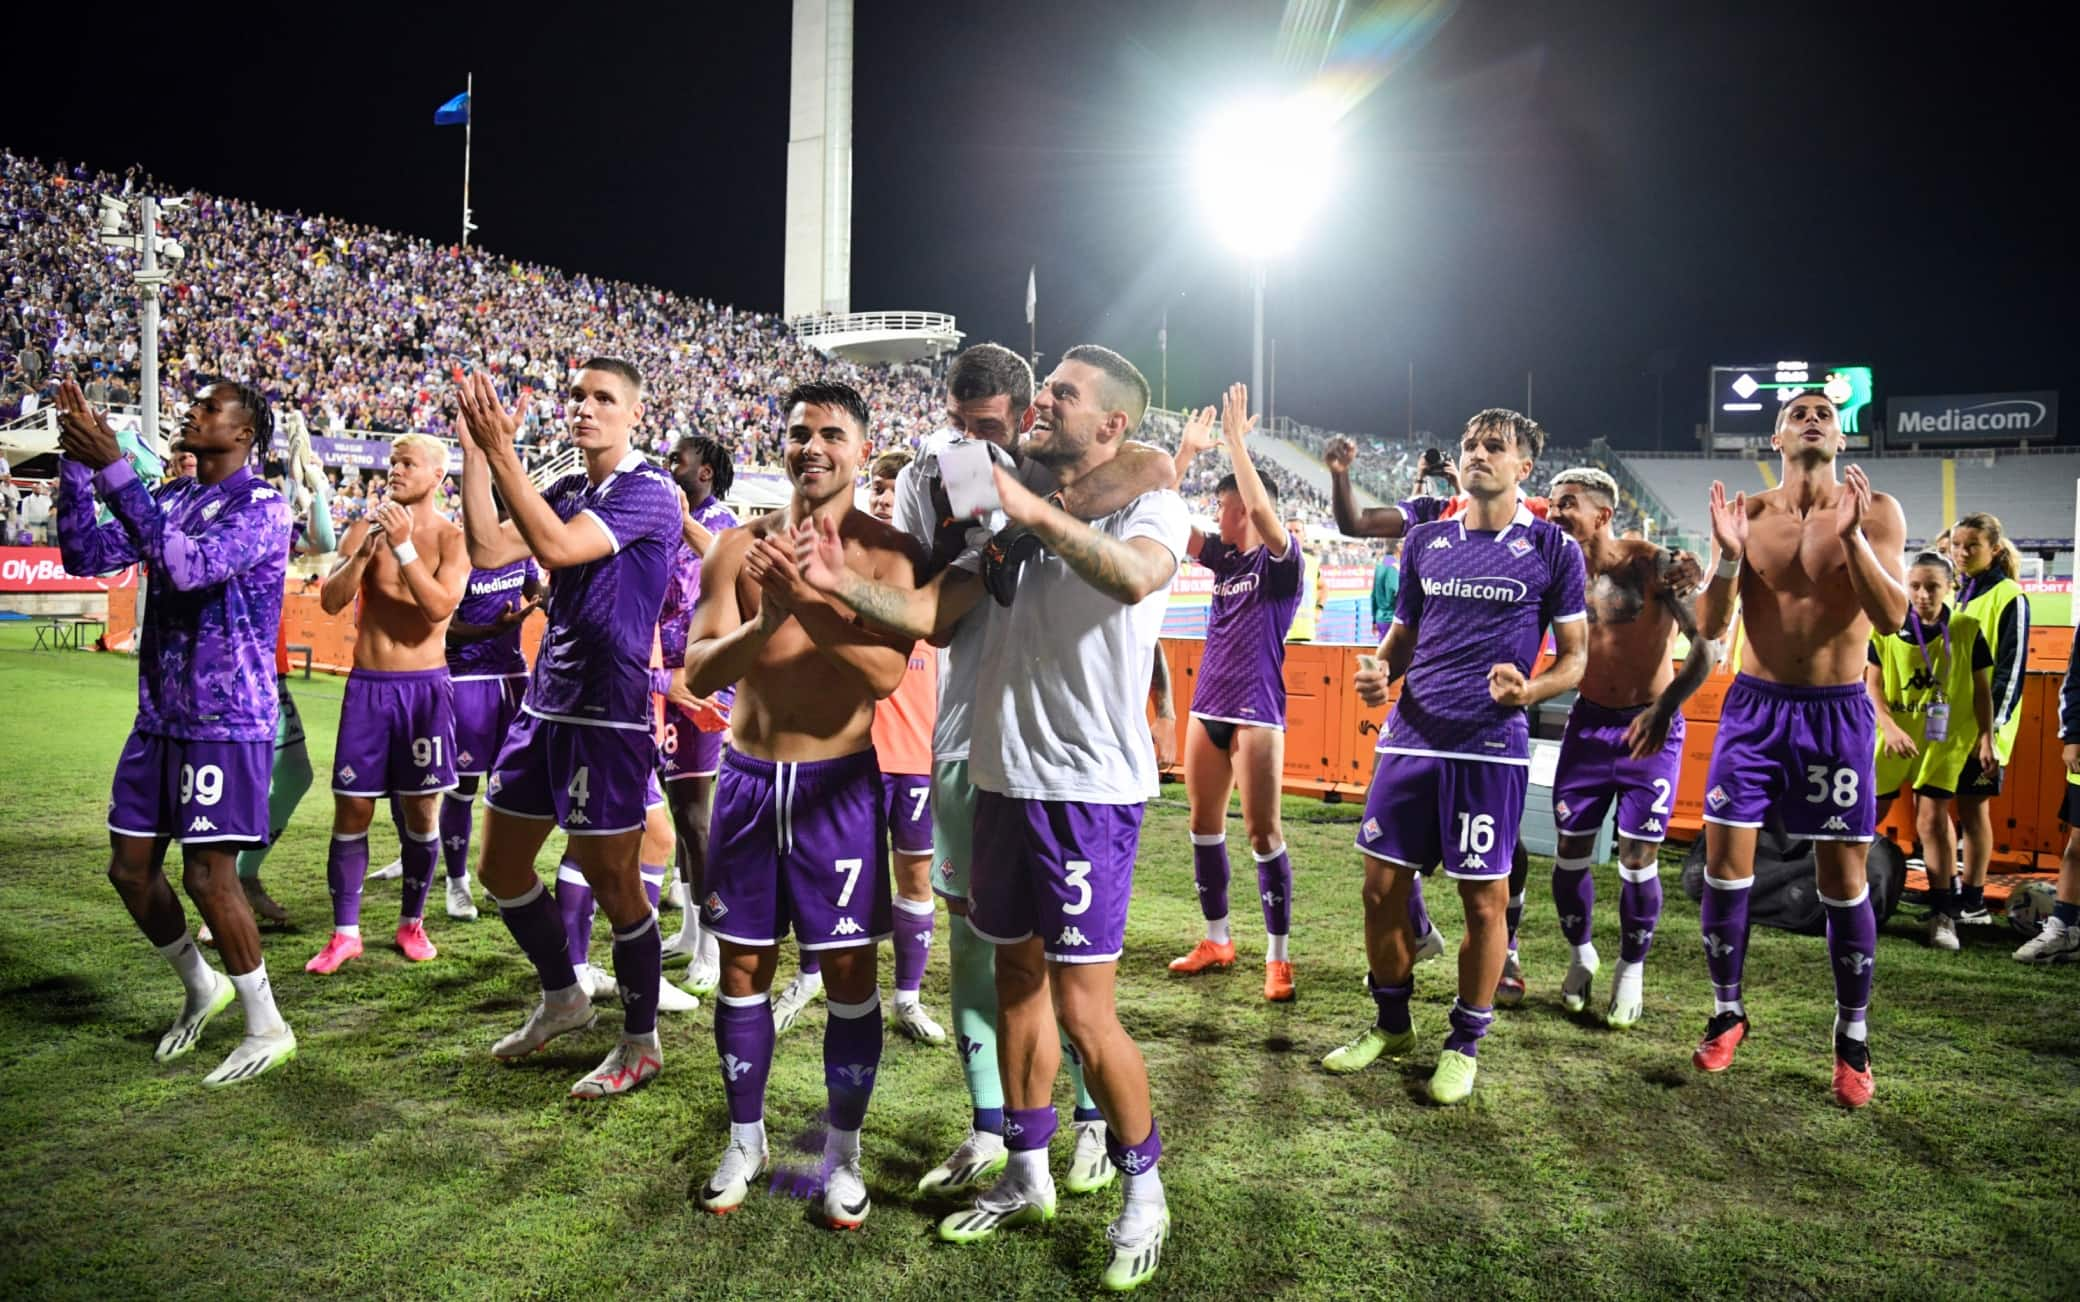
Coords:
1422,510
217,556
682,592
1475,600
594,663
1255,595
484,598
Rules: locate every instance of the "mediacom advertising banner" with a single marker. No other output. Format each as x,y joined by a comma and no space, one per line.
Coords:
42,569
1974,418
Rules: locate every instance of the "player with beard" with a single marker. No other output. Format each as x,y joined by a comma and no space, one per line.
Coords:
1063,765
197,762
397,717
798,827
581,752
1237,733
1477,594
989,395
1624,739
691,753
1815,565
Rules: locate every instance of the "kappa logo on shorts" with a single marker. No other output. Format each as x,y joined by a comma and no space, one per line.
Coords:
1652,825
847,927
714,907
577,819
1473,863
202,825
1834,824
1372,829
432,780
347,773
494,785
1717,797
1071,935
1519,546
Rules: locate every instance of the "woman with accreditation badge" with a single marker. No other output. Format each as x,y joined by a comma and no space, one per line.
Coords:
1918,680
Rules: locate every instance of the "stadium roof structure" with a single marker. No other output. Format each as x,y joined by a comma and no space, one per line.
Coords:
879,337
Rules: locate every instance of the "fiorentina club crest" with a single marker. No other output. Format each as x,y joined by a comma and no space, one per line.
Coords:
1372,829
1560,808
1717,797
1520,547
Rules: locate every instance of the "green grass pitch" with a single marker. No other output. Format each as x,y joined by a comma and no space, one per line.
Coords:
394,1158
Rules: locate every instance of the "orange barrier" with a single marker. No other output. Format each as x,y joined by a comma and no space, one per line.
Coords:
1330,736
330,637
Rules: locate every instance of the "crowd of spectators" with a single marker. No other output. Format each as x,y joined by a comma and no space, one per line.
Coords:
357,329
1386,467
364,329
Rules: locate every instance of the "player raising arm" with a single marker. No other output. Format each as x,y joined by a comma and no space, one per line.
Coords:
1815,564
799,808
197,761
397,715
581,753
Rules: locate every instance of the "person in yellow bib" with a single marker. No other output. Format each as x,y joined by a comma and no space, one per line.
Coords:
1918,680
1987,567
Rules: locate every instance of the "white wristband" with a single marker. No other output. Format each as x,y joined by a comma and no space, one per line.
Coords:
1728,568
405,552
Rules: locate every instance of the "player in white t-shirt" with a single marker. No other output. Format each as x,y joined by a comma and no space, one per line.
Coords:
1063,763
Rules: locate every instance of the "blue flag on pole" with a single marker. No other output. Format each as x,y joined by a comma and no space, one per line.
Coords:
453,113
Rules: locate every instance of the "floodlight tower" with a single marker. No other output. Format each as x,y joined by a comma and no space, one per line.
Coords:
816,289
1265,167
148,277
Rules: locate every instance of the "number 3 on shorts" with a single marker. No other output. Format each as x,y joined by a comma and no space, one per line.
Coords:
1077,873
1839,784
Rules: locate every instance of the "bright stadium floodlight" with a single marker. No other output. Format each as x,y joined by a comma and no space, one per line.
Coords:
1265,168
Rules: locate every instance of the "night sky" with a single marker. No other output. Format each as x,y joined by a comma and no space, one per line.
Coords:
1593,192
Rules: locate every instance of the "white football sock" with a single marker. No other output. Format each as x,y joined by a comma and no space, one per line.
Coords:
1144,1202
1274,948
189,965
1029,1167
1585,954
256,996
1728,1006
1217,929
749,1135
1856,1030
840,1146
353,929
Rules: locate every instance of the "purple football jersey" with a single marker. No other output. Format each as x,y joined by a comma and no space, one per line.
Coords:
1242,674
484,599
213,602
1475,600
594,664
682,590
